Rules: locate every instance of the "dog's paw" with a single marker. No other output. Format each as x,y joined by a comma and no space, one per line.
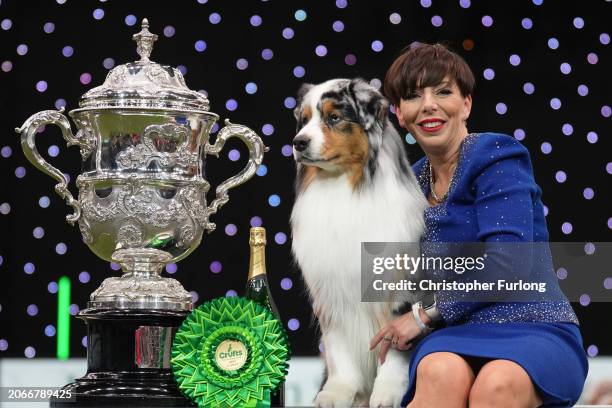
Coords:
388,393
334,396
329,399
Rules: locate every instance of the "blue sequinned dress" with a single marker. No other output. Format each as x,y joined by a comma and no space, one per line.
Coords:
493,197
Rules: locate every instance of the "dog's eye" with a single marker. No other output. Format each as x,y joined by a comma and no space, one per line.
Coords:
303,121
333,118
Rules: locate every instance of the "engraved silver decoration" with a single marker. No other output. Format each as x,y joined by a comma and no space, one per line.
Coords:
153,346
143,137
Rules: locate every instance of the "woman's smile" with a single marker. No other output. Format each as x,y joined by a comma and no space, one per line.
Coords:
431,125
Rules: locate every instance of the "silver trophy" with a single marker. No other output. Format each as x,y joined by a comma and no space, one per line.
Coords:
144,137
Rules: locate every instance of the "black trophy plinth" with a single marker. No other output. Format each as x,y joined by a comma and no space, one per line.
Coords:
126,365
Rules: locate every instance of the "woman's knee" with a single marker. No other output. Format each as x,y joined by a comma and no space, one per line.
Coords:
447,371
503,383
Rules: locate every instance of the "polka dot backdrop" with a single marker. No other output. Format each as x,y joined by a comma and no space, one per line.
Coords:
541,68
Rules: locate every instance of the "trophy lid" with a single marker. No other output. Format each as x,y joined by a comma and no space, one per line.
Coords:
144,84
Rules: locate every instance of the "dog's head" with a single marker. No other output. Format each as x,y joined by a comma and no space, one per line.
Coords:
339,127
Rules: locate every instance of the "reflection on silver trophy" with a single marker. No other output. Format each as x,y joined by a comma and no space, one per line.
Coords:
144,137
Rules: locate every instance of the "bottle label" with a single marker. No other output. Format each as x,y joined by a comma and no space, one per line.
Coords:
231,355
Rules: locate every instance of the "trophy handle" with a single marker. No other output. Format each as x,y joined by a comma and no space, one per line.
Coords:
28,143
256,151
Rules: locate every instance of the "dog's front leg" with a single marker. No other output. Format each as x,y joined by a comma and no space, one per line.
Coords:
391,381
344,377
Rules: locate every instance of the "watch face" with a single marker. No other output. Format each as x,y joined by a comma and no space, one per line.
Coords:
432,312
428,301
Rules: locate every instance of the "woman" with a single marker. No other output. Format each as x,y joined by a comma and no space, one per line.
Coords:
480,188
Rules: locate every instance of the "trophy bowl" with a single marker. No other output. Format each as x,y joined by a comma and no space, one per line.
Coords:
143,137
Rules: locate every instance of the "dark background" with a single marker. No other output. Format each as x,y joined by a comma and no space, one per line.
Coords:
586,163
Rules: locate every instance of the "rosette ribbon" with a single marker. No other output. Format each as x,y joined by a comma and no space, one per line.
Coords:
212,373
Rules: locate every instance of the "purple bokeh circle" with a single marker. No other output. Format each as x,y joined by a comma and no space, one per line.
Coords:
567,228
293,324
216,267
286,283
561,273
256,221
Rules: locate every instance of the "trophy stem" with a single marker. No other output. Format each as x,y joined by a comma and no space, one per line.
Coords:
141,262
141,286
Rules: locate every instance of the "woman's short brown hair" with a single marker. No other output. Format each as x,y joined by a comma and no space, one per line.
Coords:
422,65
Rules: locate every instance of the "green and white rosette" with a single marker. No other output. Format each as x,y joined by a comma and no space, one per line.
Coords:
230,352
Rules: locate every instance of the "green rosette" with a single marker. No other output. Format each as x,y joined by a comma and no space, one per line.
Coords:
230,352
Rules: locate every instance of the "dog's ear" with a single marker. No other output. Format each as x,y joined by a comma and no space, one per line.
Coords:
372,107
303,91
300,96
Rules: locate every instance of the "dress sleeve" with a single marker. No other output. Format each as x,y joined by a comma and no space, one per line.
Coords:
504,191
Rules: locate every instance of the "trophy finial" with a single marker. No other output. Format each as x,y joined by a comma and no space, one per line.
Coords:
144,40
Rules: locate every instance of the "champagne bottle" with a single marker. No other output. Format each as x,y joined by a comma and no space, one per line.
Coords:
258,290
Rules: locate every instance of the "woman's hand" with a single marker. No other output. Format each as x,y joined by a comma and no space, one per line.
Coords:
397,334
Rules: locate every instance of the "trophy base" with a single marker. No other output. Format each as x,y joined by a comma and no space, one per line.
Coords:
111,392
128,360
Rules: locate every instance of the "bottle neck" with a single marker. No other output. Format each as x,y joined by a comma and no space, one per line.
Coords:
257,261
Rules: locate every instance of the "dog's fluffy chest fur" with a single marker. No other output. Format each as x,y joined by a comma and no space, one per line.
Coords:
329,222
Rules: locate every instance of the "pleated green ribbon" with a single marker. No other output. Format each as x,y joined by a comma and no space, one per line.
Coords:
230,352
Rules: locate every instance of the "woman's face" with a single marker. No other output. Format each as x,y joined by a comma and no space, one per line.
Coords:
435,115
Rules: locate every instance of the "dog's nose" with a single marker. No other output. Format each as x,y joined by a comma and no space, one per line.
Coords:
301,143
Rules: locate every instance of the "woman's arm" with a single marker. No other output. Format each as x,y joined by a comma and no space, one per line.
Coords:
504,194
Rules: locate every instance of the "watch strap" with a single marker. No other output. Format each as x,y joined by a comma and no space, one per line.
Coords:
416,309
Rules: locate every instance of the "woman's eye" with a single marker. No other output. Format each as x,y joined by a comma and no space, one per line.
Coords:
445,91
412,95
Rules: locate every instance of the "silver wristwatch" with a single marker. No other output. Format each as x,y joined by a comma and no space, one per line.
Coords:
416,309
429,306
431,310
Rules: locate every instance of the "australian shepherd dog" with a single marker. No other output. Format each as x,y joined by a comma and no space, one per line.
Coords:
354,184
